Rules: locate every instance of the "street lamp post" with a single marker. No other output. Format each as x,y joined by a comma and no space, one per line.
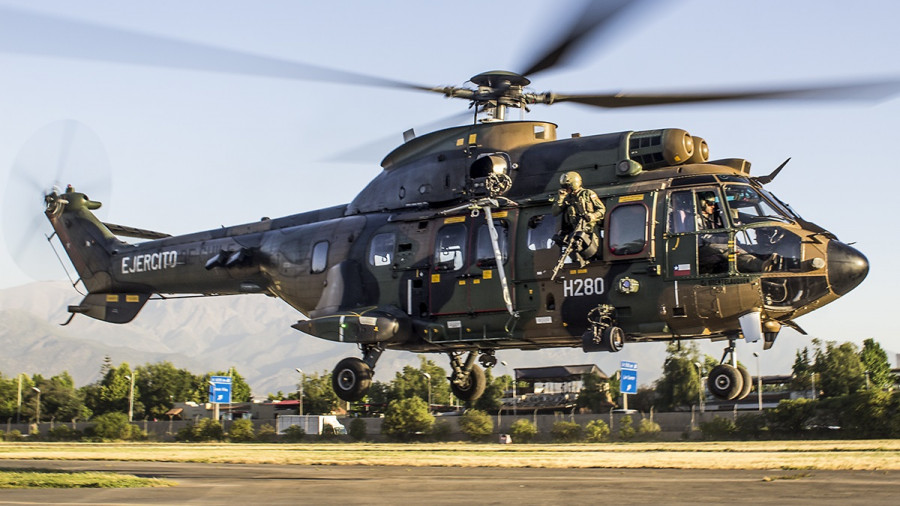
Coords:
302,377
37,418
428,379
131,397
515,397
700,389
758,383
19,400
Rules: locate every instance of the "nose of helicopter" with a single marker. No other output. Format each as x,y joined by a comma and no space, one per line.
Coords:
847,267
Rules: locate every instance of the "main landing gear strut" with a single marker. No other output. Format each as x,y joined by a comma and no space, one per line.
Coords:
352,377
729,381
467,379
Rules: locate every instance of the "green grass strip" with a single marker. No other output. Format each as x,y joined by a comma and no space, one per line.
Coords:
45,478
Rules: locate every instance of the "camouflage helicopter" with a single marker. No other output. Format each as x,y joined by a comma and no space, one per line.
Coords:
456,248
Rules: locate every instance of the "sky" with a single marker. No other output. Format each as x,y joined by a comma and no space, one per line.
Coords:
192,150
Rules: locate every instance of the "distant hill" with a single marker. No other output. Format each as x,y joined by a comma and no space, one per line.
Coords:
253,333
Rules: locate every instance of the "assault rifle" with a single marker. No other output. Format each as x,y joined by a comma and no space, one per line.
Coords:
575,234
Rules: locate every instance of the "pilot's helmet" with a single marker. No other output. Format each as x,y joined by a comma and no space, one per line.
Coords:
570,180
709,200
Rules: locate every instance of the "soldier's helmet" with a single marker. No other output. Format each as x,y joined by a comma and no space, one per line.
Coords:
570,180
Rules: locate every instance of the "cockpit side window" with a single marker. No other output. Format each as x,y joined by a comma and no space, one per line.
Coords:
681,212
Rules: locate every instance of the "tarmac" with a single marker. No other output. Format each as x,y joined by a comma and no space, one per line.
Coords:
291,484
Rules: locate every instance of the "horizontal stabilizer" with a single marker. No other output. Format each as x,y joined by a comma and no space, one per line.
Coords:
111,307
138,233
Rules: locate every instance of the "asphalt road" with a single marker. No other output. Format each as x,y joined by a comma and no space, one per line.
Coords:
292,484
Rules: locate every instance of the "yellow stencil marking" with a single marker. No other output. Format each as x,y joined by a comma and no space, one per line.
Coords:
631,198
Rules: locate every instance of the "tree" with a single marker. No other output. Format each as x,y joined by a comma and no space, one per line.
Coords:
9,392
801,379
60,400
494,388
159,386
413,382
680,381
114,426
318,395
405,418
241,431
522,431
596,431
566,432
875,361
110,394
840,369
240,390
594,394
476,424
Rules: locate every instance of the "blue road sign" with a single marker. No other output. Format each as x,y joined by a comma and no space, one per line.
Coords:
220,389
628,382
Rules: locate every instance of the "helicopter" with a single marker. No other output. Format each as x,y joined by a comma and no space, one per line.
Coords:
454,247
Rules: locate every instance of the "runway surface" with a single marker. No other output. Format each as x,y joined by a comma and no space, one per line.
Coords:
292,484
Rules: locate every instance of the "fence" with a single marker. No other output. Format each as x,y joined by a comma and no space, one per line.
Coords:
674,426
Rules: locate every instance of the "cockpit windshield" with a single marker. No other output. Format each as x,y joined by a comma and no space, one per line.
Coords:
748,206
779,204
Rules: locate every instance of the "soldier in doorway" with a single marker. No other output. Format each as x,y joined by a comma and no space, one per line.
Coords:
582,212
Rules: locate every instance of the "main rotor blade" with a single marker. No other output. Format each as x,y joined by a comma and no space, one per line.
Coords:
870,92
374,151
42,34
593,17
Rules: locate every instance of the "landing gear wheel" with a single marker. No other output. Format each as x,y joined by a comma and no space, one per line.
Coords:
612,338
351,379
747,385
725,382
470,388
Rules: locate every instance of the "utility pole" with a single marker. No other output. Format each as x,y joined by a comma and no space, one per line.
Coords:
130,377
19,400
758,382
37,418
302,377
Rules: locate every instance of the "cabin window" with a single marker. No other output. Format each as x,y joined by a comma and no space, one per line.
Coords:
541,229
681,212
628,229
381,249
319,257
485,249
450,247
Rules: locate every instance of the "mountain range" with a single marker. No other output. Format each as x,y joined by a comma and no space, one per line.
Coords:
253,334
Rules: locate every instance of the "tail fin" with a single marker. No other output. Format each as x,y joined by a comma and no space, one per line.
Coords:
88,243
90,246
